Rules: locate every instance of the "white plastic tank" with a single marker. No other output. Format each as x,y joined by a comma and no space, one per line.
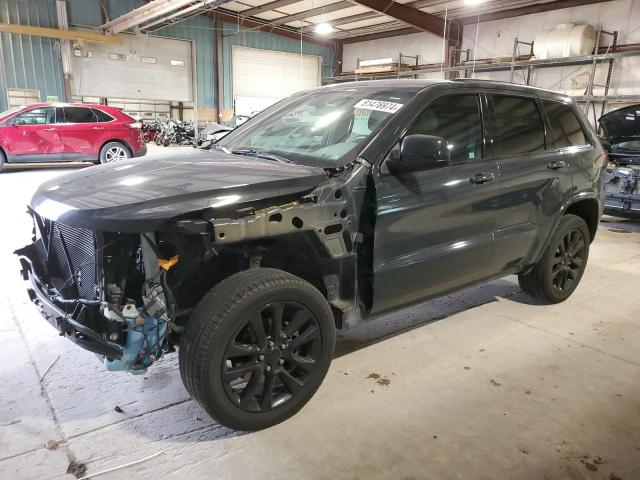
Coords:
566,40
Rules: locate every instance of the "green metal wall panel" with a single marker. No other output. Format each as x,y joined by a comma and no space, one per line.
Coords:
29,62
200,30
266,41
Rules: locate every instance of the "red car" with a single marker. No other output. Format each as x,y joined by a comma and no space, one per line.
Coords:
46,132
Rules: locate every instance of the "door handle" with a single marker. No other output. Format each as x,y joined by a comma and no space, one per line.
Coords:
99,128
556,164
49,129
480,178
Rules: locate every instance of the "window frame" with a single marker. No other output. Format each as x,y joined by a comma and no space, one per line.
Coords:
15,116
494,133
64,115
449,92
550,127
95,110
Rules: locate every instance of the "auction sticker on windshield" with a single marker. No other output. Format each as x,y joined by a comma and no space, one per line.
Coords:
378,105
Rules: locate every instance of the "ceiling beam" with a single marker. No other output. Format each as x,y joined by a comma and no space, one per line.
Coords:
268,6
312,13
528,10
380,35
247,23
58,33
413,17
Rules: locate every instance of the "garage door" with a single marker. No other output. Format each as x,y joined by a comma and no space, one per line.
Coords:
262,77
140,68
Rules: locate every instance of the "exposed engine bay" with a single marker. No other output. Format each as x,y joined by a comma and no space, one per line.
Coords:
128,296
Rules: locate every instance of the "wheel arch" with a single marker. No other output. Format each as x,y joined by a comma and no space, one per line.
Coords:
589,210
119,140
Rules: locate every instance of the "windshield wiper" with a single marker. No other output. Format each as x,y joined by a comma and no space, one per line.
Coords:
250,152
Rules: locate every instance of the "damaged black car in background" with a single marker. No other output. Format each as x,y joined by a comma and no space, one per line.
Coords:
621,129
331,207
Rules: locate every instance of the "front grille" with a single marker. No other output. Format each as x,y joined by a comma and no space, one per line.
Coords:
70,258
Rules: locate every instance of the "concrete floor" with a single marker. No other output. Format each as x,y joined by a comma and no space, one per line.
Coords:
500,388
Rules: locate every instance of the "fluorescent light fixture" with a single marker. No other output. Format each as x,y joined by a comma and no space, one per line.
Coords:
323,28
473,2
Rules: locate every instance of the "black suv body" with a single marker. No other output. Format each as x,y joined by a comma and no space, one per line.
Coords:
330,207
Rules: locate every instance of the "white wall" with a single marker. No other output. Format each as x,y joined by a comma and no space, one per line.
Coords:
496,38
427,46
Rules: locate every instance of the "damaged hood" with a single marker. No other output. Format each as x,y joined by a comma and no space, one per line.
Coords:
139,194
622,124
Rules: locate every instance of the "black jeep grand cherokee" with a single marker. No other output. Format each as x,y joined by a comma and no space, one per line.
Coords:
330,207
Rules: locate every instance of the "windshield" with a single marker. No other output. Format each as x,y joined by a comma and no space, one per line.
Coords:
321,127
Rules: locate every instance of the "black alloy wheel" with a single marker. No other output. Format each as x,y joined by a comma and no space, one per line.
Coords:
272,356
558,272
569,260
257,347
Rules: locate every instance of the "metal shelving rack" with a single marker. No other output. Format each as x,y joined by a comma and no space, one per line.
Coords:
530,65
396,74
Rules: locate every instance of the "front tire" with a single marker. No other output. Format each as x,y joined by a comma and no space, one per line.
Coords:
114,152
557,275
257,348
2,160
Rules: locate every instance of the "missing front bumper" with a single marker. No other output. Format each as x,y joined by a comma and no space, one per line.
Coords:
67,319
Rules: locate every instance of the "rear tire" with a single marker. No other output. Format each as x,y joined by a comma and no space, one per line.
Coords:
257,348
556,276
114,152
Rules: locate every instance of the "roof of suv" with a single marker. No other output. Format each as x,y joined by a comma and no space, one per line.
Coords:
60,104
413,84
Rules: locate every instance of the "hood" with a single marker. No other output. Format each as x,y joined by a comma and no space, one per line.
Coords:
139,194
622,124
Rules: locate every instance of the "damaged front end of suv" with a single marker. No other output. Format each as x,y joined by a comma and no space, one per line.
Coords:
125,289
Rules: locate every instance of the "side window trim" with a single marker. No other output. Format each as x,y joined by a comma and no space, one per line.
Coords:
478,93
77,123
96,110
585,134
541,113
31,110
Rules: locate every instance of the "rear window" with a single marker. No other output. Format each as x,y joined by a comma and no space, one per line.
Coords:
102,116
519,127
79,115
566,130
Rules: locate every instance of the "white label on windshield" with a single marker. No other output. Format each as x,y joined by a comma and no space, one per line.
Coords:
378,105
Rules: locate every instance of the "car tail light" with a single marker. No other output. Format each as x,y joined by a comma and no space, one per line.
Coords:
135,125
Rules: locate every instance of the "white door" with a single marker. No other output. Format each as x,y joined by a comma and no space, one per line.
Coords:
141,68
262,77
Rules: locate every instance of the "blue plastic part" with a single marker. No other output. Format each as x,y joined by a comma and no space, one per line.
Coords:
142,347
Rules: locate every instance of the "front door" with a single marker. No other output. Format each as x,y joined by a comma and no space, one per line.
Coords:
32,136
434,228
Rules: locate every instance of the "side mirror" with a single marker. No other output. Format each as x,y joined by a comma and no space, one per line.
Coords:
420,152
14,122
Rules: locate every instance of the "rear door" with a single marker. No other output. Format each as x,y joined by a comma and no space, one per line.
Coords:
81,134
535,177
433,229
32,136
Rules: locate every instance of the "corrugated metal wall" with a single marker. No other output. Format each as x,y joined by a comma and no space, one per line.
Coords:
200,30
267,41
29,62
34,62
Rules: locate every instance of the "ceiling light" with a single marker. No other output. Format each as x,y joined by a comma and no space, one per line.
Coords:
473,2
323,28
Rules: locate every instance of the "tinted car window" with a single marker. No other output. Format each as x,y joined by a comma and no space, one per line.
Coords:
102,117
518,126
37,116
566,129
457,119
79,115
